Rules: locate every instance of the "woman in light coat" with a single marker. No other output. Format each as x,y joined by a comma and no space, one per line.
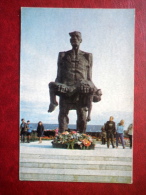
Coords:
119,133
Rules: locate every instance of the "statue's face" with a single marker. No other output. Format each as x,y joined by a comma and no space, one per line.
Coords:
75,40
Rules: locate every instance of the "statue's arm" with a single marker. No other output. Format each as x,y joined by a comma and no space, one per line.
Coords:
60,86
89,73
58,78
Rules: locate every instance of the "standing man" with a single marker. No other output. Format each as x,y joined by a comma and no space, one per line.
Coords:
23,130
74,85
130,133
110,131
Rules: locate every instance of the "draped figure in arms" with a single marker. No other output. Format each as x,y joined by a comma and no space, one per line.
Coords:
74,86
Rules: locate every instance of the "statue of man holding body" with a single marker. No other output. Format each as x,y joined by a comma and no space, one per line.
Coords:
74,85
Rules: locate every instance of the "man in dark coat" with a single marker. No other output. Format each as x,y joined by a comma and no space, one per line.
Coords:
23,130
74,85
110,129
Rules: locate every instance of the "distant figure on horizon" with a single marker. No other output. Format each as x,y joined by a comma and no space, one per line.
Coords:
119,133
40,131
110,131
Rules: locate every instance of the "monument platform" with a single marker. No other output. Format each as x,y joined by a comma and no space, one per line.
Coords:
42,162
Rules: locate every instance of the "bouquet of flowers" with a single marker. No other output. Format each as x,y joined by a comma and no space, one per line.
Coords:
74,140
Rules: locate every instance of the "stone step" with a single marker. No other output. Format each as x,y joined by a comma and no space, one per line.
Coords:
72,175
74,164
41,162
75,157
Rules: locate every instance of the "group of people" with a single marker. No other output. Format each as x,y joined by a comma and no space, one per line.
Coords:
26,130
109,131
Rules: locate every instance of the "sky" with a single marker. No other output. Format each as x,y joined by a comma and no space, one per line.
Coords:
106,33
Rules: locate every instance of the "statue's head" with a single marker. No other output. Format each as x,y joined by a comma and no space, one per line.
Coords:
76,38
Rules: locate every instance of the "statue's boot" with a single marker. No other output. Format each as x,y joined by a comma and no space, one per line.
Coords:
52,107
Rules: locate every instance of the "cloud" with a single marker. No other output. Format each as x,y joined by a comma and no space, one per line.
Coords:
35,74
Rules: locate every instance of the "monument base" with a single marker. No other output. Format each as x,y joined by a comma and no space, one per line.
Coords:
73,140
73,146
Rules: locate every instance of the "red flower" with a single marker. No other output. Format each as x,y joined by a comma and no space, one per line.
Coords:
86,142
73,132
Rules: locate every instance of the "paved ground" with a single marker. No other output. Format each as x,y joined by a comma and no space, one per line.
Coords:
46,148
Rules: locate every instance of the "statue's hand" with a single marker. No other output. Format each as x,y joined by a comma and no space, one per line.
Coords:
85,89
62,89
86,86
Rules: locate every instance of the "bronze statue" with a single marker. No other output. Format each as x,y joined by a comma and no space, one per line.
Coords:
74,85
